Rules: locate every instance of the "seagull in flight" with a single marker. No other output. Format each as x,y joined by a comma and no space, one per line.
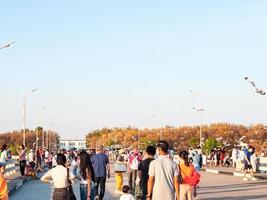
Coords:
7,45
261,92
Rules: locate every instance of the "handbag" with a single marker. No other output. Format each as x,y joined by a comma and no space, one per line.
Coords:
69,188
120,167
195,179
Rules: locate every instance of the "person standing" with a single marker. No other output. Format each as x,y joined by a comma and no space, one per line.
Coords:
133,162
234,156
3,183
61,178
163,176
101,168
86,176
3,157
22,159
143,168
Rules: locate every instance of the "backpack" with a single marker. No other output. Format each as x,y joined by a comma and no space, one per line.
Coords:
134,164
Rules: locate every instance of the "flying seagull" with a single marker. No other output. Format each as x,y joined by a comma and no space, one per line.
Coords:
7,45
261,92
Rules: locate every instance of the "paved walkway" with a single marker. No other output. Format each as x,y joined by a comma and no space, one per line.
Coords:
232,171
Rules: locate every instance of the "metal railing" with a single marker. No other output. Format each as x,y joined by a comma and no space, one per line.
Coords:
10,168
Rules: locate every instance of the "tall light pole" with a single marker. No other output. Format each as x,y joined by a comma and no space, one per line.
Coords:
200,110
24,114
43,134
6,45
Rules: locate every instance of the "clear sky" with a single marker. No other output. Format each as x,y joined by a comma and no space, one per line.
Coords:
109,63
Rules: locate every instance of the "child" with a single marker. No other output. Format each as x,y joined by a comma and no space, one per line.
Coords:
126,193
3,183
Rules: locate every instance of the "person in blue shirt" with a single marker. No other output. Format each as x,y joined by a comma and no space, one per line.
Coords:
247,163
101,167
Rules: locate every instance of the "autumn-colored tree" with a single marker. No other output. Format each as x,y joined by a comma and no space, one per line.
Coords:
179,137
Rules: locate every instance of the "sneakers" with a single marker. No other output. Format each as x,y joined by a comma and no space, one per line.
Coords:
245,179
97,198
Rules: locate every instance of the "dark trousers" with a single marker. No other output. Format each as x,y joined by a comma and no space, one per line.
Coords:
132,179
22,165
100,181
144,190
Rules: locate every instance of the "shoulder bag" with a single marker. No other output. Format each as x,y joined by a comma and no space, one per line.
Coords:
71,194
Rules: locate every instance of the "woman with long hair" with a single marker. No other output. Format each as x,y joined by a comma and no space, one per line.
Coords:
61,177
22,159
86,176
3,157
188,178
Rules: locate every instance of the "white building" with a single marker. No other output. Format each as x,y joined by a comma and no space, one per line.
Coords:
70,144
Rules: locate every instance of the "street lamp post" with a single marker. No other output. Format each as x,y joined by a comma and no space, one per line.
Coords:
200,110
24,115
43,134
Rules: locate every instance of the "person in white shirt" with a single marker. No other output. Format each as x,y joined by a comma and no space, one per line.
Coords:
234,156
61,177
163,176
3,157
126,193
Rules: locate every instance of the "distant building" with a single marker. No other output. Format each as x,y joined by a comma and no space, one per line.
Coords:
70,144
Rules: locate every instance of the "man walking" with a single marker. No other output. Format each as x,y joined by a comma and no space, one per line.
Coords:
101,167
143,170
163,176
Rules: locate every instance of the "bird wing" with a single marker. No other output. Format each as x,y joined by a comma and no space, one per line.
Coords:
250,81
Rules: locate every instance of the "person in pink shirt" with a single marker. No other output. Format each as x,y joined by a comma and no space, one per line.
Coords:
22,159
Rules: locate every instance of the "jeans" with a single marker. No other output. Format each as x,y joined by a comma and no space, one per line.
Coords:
132,179
83,192
100,181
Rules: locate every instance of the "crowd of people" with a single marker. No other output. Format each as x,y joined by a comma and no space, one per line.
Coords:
153,174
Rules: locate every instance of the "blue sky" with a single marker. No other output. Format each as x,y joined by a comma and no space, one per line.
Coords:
109,63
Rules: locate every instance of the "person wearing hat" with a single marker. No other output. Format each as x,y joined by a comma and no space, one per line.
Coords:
3,183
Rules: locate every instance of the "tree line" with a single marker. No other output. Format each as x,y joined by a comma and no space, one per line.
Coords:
15,138
213,135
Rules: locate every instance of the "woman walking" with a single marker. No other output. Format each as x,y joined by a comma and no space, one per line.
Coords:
61,177
22,159
189,177
86,176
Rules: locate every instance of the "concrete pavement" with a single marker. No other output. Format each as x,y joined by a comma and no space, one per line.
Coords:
212,187
224,187
231,171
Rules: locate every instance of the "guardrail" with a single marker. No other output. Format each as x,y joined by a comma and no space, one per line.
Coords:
262,164
10,168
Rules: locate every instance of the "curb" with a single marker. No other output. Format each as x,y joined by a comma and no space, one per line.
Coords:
237,174
18,185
